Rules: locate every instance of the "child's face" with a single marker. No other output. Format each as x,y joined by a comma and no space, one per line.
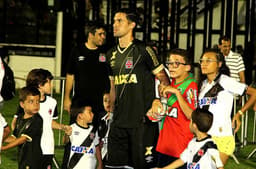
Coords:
47,87
209,64
177,66
106,102
31,105
87,115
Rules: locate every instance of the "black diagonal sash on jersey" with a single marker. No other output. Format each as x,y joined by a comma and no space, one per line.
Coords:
77,156
213,92
199,154
130,72
172,99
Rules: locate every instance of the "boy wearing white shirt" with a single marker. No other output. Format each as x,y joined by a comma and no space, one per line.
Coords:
85,149
201,151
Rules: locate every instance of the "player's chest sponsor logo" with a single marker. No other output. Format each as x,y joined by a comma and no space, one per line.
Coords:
82,150
193,166
125,79
207,101
172,112
102,57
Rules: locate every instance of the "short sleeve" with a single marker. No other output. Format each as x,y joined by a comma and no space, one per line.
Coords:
55,113
71,61
152,60
237,87
214,153
108,57
19,111
240,64
34,129
184,155
71,136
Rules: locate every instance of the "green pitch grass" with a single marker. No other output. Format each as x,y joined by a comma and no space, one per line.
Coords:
9,157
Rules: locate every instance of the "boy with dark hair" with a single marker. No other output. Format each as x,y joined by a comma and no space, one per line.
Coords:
181,100
85,150
28,130
41,79
201,152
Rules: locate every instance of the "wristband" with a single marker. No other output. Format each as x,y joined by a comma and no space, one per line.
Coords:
240,112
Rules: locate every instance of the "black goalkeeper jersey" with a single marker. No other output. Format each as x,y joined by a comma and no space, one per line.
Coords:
133,70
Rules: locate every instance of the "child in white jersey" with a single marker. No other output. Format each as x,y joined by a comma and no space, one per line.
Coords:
201,151
41,79
85,149
104,125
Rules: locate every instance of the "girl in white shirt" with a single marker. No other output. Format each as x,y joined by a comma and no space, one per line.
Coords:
216,94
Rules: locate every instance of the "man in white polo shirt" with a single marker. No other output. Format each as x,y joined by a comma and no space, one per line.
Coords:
233,60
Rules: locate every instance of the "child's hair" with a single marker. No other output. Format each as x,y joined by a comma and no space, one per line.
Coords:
203,119
105,92
182,52
28,91
38,77
78,106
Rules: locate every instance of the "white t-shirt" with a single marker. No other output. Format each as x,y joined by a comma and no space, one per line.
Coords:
220,105
79,134
209,159
48,112
3,124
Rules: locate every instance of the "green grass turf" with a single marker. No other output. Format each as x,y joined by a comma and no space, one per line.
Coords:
9,157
